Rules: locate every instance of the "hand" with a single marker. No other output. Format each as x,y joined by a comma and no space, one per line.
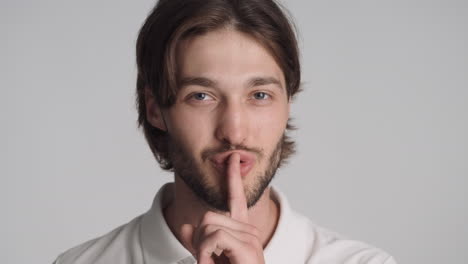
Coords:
223,239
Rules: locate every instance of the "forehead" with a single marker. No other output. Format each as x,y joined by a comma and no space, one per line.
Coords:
226,55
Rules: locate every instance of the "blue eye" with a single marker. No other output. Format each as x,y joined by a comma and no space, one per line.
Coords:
199,96
261,96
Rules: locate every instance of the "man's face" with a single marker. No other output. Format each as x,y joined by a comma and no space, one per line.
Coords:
232,98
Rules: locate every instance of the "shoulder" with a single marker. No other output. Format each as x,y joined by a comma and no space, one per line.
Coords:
314,244
121,245
326,246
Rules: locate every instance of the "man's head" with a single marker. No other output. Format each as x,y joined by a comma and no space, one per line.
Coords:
217,76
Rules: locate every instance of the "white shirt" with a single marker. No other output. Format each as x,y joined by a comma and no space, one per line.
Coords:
147,239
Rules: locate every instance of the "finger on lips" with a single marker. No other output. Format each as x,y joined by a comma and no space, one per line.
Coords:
236,195
218,233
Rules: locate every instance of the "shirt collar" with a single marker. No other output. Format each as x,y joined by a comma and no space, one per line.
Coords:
285,245
161,246
158,242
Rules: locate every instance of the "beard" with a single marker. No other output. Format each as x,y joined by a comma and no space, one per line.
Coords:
215,196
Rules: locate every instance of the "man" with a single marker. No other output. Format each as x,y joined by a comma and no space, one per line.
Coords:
215,82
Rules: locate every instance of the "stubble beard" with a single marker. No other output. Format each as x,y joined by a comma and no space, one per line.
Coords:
216,197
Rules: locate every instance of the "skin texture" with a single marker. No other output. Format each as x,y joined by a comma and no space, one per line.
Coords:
241,102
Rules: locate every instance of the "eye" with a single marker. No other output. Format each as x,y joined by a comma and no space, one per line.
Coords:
201,96
261,96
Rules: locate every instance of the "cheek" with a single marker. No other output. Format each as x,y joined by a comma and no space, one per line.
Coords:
190,129
269,125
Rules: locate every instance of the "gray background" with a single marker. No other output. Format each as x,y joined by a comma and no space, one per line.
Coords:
382,123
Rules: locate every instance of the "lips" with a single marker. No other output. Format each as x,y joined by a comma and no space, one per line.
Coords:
247,161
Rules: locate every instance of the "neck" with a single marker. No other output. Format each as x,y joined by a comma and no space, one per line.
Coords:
186,208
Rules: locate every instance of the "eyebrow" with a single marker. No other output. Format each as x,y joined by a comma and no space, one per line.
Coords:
200,81
259,81
252,82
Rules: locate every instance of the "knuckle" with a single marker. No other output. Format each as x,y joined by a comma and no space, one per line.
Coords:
207,229
211,239
218,234
254,231
207,218
252,240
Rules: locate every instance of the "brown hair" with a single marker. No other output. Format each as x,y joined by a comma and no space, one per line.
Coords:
174,20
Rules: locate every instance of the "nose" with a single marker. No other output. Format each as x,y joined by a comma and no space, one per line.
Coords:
232,127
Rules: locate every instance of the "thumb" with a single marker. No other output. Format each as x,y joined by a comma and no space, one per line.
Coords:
186,235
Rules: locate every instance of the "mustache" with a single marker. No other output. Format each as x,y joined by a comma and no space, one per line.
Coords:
227,147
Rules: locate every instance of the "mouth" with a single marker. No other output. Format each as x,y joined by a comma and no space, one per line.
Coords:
247,161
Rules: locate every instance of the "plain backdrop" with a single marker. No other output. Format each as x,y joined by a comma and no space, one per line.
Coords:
382,139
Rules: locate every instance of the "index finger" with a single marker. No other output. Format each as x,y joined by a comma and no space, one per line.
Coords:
236,195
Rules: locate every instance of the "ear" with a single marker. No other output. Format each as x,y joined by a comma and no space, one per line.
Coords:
153,111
